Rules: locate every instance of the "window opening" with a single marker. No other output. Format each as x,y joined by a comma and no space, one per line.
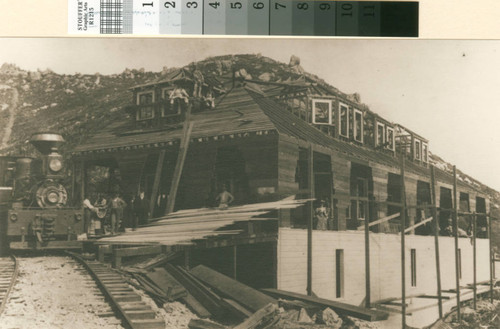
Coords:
344,120
418,150
145,101
322,112
358,126
390,138
380,134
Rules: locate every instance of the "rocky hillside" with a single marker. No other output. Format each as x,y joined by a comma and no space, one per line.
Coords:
78,105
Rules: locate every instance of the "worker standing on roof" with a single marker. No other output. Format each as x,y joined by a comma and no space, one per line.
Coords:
224,198
178,98
198,82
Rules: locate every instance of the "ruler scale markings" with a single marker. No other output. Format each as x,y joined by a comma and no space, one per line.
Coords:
369,18
146,17
347,18
192,17
303,17
258,17
324,18
237,17
281,17
215,17
170,17
244,17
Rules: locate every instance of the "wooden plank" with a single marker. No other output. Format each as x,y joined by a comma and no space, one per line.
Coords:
263,318
418,224
156,182
181,157
310,219
203,324
241,293
237,308
455,233
137,251
207,300
381,220
196,306
436,242
339,307
167,283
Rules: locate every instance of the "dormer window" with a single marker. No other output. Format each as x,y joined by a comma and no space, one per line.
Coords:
322,111
417,153
425,153
145,102
380,138
390,139
358,126
168,109
344,120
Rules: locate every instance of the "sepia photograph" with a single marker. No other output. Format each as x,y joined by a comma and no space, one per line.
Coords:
249,183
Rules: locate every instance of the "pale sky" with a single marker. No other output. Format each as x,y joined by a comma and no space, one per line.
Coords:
446,91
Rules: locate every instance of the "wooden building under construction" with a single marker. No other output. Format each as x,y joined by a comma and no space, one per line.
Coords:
267,141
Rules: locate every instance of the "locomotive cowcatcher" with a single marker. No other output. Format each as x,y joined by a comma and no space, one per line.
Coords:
33,200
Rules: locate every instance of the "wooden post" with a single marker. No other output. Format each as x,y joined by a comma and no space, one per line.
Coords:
310,221
73,185
183,147
367,257
436,240
474,223
490,257
455,233
84,180
403,226
235,259
156,182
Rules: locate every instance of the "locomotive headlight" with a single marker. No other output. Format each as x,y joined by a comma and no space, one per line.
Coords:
13,217
55,165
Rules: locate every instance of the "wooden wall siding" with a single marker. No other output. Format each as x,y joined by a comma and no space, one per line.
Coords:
288,155
196,188
384,260
341,169
130,166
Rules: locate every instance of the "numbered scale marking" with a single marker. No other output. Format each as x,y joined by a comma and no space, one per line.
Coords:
244,17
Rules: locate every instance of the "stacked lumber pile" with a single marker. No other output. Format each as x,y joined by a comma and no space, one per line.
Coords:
185,226
214,296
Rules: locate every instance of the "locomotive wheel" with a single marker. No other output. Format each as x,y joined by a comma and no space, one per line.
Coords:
51,195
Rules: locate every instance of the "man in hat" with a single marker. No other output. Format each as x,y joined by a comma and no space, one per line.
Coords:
321,216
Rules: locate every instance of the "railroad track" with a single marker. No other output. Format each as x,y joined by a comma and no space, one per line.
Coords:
9,269
124,301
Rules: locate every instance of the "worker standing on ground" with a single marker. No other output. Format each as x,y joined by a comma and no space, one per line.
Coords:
224,198
141,209
117,206
88,209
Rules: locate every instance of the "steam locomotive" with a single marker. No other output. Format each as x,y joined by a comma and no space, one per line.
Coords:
33,201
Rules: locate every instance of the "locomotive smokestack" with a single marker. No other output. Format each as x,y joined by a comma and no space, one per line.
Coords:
46,143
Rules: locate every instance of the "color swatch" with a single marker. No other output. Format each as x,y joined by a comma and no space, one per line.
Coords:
246,17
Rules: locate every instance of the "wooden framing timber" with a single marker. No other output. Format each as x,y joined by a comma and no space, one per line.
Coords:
339,307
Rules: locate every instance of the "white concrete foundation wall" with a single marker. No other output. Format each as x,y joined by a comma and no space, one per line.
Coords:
385,263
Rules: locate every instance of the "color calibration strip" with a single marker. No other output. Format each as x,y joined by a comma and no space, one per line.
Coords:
244,17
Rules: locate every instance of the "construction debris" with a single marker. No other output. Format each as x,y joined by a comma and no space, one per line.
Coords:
343,308
185,226
266,317
241,293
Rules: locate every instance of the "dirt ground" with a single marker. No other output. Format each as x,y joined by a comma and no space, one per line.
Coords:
54,292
